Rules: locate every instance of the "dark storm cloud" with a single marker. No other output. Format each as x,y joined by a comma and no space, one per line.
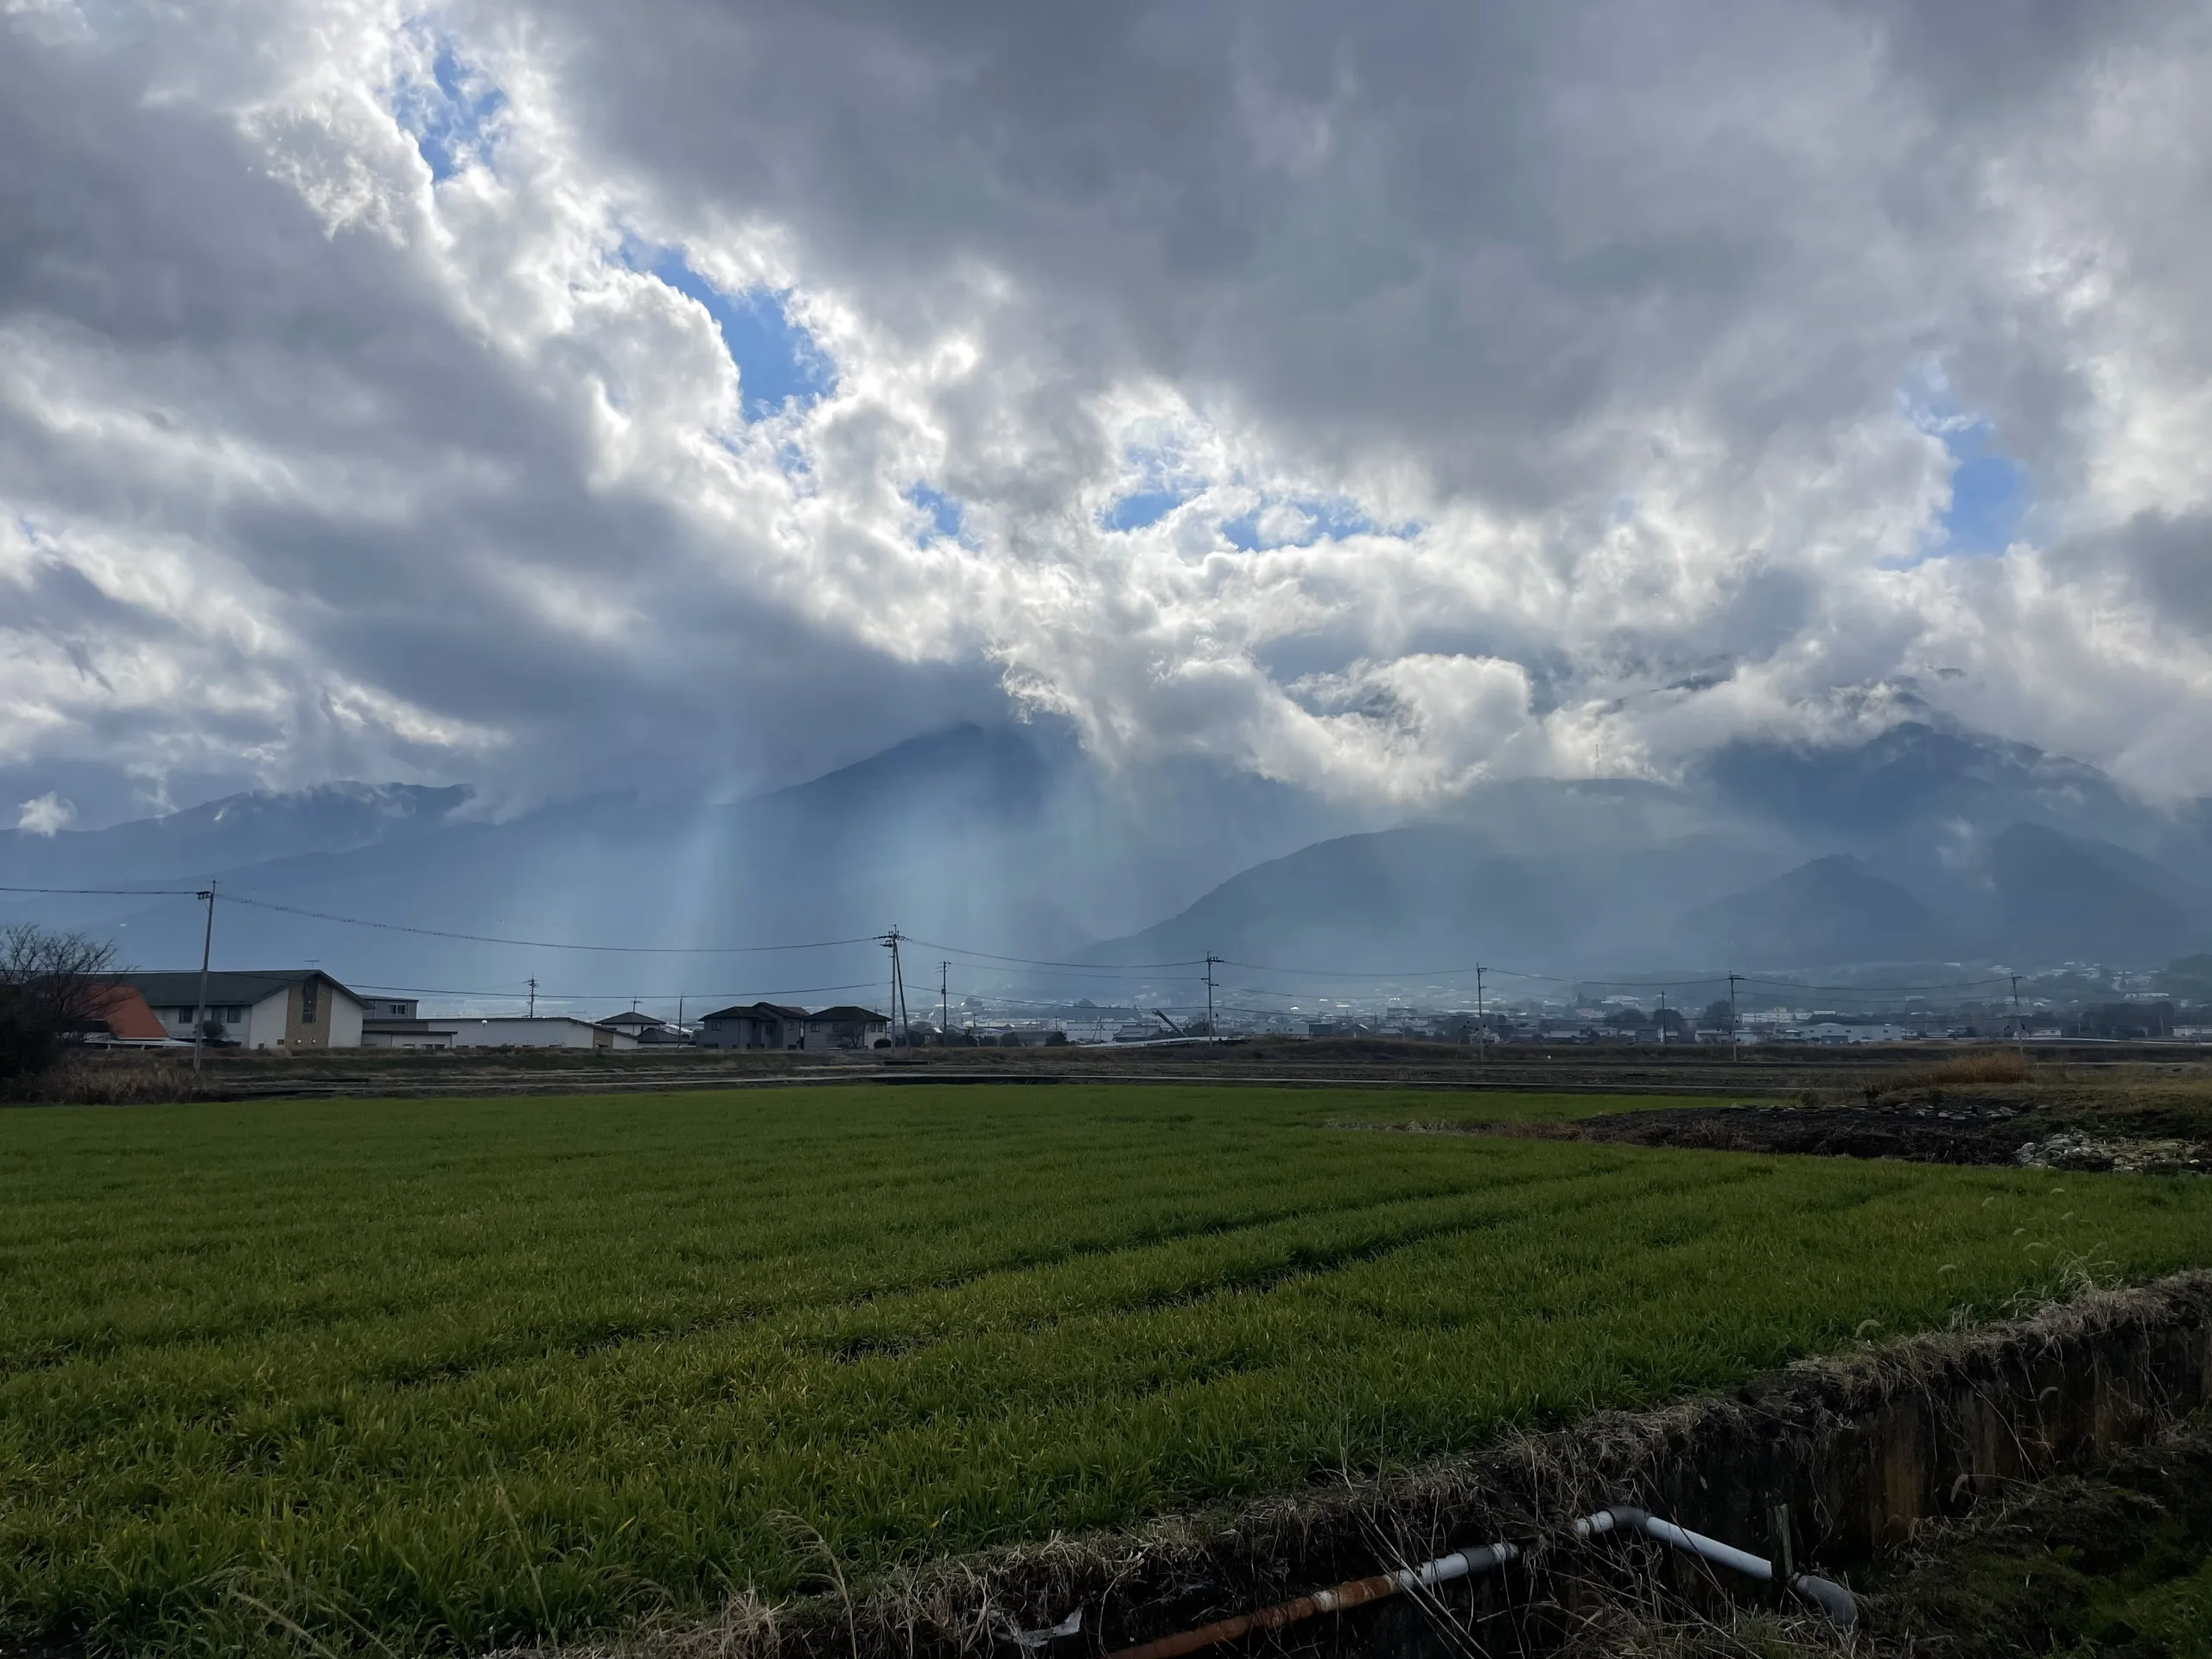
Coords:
1466,231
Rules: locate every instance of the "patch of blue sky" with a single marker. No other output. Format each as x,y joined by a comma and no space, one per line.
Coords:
1326,518
1163,484
944,514
1989,494
1144,507
452,115
778,362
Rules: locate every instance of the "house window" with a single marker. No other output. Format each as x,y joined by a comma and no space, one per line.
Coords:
306,1002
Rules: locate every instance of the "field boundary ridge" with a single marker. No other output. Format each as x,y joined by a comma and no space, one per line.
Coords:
1848,1455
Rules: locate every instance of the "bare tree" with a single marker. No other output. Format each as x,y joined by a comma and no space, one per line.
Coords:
53,987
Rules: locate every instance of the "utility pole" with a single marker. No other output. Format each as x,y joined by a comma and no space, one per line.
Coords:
1481,1023
1735,1041
207,947
944,1000
890,942
1662,1016
679,1010
1210,960
533,996
2019,1030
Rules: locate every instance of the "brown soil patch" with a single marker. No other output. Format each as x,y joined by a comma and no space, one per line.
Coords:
1920,1134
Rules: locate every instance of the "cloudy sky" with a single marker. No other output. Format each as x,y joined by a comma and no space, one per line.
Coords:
557,395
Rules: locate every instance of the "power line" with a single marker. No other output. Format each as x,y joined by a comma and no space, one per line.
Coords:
517,995
1074,973
117,893
544,944
1369,973
1034,961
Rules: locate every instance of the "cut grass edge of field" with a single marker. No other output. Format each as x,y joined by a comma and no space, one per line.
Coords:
1185,1570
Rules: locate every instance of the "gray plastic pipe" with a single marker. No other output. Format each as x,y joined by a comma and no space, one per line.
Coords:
1833,1599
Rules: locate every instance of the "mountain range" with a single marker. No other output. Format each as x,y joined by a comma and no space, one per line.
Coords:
1922,846
1926,844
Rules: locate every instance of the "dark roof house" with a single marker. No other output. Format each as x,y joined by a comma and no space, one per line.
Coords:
845,1026
296,1007
754,1025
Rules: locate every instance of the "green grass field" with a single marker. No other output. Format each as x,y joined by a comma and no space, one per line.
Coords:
433,1375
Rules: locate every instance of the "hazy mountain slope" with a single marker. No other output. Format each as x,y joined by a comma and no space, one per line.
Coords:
1012,840
995,840
1439,895
1831,910
1913,775
2067,898
1921,843
227,834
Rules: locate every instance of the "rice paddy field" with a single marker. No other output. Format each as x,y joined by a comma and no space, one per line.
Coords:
410,1376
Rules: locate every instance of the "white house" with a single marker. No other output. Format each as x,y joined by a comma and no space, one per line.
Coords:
406,1033
522,1031
299,1007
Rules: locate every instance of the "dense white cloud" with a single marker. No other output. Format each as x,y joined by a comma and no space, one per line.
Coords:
555,397
46,815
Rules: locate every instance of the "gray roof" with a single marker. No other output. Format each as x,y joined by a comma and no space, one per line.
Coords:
180,989
756,1011
847,1015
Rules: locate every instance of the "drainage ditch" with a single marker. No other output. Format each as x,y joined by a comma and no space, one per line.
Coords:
1827,1467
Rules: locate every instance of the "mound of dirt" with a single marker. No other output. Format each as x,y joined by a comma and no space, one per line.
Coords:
1917,1133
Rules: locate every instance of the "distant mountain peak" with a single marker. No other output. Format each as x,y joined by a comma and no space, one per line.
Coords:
1831,910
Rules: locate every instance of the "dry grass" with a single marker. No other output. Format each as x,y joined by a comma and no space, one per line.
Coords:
1649,1621
1990,1065
109,1080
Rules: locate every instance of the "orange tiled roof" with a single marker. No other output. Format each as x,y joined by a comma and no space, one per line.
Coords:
127,1016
